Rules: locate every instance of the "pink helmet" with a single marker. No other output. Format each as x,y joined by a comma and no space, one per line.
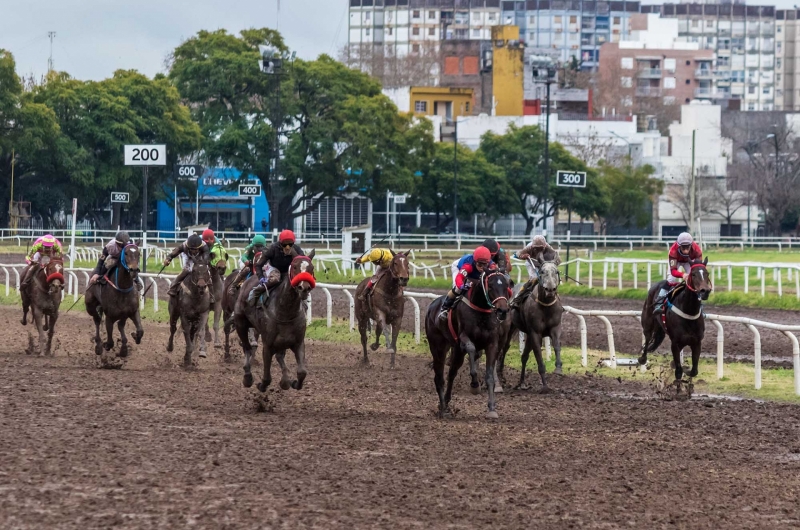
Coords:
48,240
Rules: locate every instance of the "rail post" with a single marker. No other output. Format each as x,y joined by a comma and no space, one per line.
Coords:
762,273
352,303
155,294
590,277
747,281
610,333
649,271
756,354
605,275
16,278
720,349
416,318
635,275
780,283
8,281
619,275
328,306
730,278
308,310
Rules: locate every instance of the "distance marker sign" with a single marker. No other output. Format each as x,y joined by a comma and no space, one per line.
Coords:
571,179
119,196
249,190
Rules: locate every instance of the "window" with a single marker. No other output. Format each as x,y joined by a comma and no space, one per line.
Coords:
688,81
737,76
778,78
751,106
532,20
415,13
709,23
477,16
367,32
557,19
688,63
765,91
531,36
669,65
415,48
695,23
626,82
780,29
616,20
390,31
669,100
573,19
778,63
751,90
466,106
431,31
627,63
627,101
492,17
476,34
431,14
669,82
420,106
367,16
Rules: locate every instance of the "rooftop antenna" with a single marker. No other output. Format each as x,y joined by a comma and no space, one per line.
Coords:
278,20
51,35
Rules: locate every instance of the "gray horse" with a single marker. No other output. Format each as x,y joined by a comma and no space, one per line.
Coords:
217,286
281,324
538,317
385,305
191,306
43,297
117,299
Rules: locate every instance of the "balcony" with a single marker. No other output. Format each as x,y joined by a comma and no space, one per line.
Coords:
650,73
648,91
703,73
704,92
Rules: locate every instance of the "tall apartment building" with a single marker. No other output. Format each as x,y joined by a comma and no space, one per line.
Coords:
570,28
787,64
743,38
405,27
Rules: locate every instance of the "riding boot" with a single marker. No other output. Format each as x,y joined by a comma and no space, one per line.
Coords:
237,281
447,305
523,293
176,283
658,308
256,292
27,276
366,292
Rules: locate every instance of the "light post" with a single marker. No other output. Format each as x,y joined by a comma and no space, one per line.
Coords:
545,71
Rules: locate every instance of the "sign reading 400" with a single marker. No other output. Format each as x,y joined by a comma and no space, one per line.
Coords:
571,179
249,190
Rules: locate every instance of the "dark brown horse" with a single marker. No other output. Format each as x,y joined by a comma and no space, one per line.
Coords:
474,324
684,317
191,306
217,285
43,297
117,299
281,323
385,306
538,317
228,309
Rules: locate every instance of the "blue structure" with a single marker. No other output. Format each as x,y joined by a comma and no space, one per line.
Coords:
215,203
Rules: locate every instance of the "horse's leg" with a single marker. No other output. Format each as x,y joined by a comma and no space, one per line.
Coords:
363,330
98,342
536,339
217,315
123,350
200,336
37,319
395,332
474,384
456,360
379,324
439,353
109,333
50,331
555,340
267,378
300,359
489,377
526,353
137,321
187,337
173,327
695,359
676,359
241,330
227,326
286,379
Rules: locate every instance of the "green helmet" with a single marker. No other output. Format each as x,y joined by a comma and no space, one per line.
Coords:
259,241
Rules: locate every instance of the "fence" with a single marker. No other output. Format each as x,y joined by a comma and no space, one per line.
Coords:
602,315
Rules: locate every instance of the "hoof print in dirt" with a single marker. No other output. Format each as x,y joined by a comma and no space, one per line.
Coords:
261,403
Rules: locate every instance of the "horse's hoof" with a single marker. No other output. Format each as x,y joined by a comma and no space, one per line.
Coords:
297,385
374,347
170,347
45,327
642,360
137,337
108,346
475,390
203,354
546,390
123,352
218,344
498,389
98,349
247,380
262,386
492,415
208,337
24,321
285,384
558,371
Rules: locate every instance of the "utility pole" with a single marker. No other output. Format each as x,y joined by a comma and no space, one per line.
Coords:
455,173
548,82
51,35
692,189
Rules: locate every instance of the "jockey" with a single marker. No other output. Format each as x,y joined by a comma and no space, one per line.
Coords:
470,267
498,255
110,258
196,251
273,264
681,255
538,251
382,258
47,245
217,251
257,245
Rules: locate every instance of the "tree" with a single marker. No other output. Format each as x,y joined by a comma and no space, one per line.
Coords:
520,153
626,192
392,69
481,186
706,193
339,134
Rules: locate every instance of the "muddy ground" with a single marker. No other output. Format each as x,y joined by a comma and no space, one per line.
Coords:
154,445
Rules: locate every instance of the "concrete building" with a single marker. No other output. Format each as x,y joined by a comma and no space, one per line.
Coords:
447,103
656,63
508,69
787,63
570,28
743,38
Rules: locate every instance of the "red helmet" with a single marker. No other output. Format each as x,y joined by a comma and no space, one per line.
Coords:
482,254
208,236
287,236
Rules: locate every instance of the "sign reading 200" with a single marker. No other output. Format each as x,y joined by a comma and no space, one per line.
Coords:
145,155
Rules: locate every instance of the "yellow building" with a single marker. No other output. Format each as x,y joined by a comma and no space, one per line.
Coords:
507,71
449,103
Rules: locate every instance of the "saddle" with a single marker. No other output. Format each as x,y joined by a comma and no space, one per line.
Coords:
668,302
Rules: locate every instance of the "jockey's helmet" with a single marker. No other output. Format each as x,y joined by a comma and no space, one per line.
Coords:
481,255
259,241
286,238
492,245
122,238
194,244
208,236
685,243
48,240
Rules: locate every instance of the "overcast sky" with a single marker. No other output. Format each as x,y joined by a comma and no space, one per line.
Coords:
96,37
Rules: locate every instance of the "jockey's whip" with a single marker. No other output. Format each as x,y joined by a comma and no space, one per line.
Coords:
373,246
157,275
78,300
574,280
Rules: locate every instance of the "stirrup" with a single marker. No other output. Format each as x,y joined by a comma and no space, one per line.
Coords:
443,314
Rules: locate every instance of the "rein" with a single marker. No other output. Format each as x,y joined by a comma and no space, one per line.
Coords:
688,282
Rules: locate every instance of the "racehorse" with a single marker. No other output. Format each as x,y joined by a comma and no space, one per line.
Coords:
118,300
684,318
191,306
538,317
281,323
228,308
473,324
217,285
385,305
43,297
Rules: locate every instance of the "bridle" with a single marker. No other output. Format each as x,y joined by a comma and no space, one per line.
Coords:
206,276
293,274
485,287
688,281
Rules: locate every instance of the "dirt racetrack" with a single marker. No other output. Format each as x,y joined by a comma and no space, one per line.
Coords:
154,445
